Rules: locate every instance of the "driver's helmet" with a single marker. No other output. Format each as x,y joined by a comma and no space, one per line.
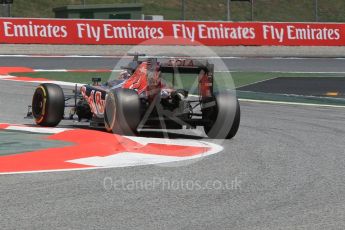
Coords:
124,75
116,83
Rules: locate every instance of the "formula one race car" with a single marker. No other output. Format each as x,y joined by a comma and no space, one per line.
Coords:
148,94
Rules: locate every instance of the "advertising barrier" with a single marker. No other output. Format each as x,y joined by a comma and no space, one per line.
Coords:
128,32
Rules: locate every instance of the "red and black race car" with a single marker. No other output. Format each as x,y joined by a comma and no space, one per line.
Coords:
148,94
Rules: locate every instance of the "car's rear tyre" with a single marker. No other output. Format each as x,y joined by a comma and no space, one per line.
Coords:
122,111
224,115
48,105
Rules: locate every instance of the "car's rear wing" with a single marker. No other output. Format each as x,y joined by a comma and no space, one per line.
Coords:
173,65
186,66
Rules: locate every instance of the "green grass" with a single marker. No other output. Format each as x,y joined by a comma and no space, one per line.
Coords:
264,10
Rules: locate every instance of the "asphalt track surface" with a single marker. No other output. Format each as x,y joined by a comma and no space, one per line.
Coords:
289,162
307,86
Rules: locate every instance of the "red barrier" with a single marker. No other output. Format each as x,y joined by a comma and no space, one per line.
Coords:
111,32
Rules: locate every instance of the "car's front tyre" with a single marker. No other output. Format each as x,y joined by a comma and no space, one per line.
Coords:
48,105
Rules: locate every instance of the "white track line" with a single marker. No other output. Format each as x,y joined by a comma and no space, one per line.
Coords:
6,76
258,82
36,129
75,70
292,103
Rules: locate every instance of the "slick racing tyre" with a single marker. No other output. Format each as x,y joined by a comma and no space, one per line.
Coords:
224,115
48,105
122,111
